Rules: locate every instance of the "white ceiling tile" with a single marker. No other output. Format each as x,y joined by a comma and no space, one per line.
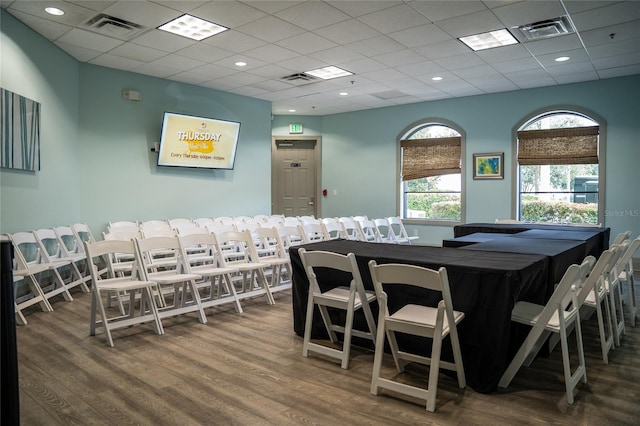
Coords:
492,83
575,6
162,40
137,52
312,15
347,31
271,52
270,29
363,7
213,71
441,10
80,53
360,66
405,83
504,53
521,13
554,44
48,29
460,61
474,23
619,71
611,34
576,77
575,56
177,62
247,91
442,49
446,76
89,40
527,75
204,52
375,46
517,65
617,61
399,58
148,14
97,5
227,13
605,16
118,62
302,63
234,41
475,71
531,84
336,55
271,71
271,85
614,48
459,88
306,43
74,14
420,35
271,6
570,68
152,70
421,69
386,75
181,5
395,18
190,77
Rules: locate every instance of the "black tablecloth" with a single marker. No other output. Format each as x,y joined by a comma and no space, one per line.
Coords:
596,247
478,237
484,285
561,253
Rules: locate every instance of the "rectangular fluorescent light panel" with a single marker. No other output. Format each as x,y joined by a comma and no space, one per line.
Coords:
192,27
328,73
488,40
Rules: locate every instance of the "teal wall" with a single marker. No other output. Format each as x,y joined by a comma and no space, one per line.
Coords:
359,150
97,165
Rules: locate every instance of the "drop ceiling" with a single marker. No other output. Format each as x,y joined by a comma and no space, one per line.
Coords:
394,48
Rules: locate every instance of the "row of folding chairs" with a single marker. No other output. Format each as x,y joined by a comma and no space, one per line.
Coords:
49,262
181,274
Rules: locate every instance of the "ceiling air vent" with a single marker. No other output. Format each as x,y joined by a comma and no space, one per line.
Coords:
547,28
113,27
299,79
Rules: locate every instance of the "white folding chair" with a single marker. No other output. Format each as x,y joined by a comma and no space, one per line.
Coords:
71,248
238,251
204,222
425,321
622,236
270,250
203,258
399,231
334,230
349,298
368,231
554,317
625,275
138,289
593,295
613,286
29,258
171,277
53,250
385,231
313,232
291,236
123,225
350,227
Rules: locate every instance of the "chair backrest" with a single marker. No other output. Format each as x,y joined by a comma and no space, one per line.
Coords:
50,246
106,250
207,253
334,230
219,228
360,218
82,233
621,237
123,225
237,247
238,219
291,221
268,243
188,228
68,241
398,227
315,260
160,251
291,236
594,280
224,220
368,231
626,260
250,225
152,232
261,217
397,273
204,222
153,225
313,232
385,231
124,235
307,219
179,221
556,302
27,251
350,227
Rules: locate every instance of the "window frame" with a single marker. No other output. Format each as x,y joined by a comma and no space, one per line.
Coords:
404,134
552,110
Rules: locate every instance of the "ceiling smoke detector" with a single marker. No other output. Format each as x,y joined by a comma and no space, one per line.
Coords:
547,28
113,27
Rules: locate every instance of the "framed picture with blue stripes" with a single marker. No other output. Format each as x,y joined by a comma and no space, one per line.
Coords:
19,132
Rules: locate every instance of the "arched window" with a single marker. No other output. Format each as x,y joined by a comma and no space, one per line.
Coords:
430,172
559,168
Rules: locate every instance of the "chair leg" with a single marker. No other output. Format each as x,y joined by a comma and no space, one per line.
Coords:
379,353
434,370
346,344
308,325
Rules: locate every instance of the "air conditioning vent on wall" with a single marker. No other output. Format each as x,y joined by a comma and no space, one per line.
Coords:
113,27
547,28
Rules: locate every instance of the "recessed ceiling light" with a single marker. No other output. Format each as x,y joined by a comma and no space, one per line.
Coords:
562,58
436,78
488,40
54,11
343,94
241,64
292,110
327,73
192,27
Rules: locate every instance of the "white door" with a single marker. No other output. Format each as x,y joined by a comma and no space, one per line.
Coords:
294,181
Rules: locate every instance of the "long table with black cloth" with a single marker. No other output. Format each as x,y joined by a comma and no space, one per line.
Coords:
485,285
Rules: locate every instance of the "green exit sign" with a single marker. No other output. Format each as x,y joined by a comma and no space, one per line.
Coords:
295,128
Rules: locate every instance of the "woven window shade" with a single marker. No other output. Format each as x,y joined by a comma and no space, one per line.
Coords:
430,157
577,145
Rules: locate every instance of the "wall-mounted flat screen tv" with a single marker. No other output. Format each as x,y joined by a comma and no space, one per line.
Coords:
191,141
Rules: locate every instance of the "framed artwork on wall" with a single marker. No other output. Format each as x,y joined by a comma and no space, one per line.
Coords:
488,166
19,132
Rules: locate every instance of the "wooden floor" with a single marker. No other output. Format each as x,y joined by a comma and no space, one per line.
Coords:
247,369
